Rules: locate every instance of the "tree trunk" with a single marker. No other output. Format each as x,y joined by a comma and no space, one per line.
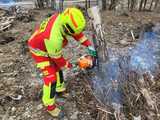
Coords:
129,2
53,6
141,4
112,5
61,5
156,4
132,5
47,3
144,6
97,2
104,2
86,5
89,3
150,8
40,3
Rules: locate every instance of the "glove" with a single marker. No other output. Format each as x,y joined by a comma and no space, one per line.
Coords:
92,51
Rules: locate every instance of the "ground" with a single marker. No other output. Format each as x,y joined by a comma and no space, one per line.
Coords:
20,84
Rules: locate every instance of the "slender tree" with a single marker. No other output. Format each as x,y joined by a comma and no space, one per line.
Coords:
156,3
104,2
144,5
131,5
40,3
53,4
150,8
113,4
141,5
129,2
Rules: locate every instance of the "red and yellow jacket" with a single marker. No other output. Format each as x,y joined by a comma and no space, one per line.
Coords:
49,39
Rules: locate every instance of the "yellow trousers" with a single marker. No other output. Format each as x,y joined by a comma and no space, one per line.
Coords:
49,91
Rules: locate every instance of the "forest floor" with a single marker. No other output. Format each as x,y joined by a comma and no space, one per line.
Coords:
20,86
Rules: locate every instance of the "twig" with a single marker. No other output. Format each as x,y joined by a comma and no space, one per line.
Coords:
5,27
101,109
133,35
138,96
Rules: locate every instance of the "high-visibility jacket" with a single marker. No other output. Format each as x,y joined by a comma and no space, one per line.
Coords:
49,39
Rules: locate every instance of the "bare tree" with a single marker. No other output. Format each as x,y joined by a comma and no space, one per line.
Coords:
150,8
113,4
87,4
144,5
104,2
53,2
40,3
156,3
61,5
141,5
131,4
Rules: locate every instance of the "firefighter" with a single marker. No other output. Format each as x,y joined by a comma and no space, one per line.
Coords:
46,45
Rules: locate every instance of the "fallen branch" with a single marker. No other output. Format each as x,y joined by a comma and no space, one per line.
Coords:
133,37
6,22
103,110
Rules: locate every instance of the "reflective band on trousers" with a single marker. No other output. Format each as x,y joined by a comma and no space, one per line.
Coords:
38,52
43,64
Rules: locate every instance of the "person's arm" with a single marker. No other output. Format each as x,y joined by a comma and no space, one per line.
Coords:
82,39
86,42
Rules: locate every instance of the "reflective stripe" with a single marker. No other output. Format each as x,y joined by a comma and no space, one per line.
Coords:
43,64
45,73
83,39
44,24
38,52
66,12
56,55
73,21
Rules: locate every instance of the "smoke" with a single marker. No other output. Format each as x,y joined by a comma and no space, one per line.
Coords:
143,58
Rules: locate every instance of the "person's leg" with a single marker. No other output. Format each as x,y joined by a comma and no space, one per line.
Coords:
49,94
60,82
49,99
60,85
49,87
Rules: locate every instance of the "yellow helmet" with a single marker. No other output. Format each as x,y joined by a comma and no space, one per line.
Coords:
73,21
